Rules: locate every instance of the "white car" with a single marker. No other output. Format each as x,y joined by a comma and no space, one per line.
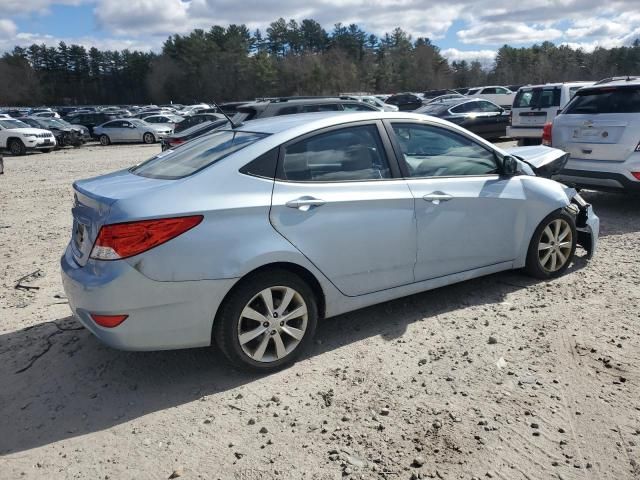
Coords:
599,129
191,109
18,137
129,130
375,102
46,114
166,120
535,105
501,96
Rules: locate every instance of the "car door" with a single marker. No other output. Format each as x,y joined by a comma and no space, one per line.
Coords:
130,132
494,119
468,216
338,199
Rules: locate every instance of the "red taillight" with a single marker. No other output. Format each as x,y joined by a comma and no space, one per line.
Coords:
122,240
109,321
175,141
636,174
546,134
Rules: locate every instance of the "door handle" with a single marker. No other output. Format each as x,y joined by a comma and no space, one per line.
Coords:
437,197
305,203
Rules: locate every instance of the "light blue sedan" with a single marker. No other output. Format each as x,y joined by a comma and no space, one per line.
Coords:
248,236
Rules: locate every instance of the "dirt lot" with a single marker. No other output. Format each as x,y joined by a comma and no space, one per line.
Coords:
408,389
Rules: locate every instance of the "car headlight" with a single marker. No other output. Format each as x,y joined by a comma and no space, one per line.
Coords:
30,135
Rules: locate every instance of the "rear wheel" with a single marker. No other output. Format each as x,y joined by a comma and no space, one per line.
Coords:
104,140
148,138
17,148
553,246
267,321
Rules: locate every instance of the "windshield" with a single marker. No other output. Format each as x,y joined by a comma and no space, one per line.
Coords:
196,155
9,124
605,100
473,91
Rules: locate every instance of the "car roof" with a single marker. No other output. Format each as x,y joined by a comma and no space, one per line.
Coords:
308,122
617,82
557,84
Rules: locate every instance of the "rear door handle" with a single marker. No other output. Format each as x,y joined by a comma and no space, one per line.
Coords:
305,203
437,197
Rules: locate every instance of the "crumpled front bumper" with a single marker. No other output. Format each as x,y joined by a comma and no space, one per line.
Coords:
587,225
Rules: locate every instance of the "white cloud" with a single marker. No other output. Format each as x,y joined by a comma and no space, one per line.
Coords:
8,29
25,39
485,24
140,17
485,57
511,33
22,7
165,17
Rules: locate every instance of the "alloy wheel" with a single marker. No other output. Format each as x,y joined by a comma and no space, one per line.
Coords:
556,242
272,324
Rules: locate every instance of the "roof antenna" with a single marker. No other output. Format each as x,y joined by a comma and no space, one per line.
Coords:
233,124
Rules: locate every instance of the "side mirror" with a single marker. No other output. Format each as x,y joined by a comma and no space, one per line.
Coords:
509,166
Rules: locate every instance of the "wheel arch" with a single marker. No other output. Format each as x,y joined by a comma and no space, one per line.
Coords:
294,268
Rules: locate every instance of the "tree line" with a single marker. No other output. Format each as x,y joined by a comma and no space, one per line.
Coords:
289,58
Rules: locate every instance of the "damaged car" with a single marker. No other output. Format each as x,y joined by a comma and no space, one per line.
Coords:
246,237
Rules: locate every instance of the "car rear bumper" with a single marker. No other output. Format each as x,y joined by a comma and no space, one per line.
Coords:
524,132
601,175
161,315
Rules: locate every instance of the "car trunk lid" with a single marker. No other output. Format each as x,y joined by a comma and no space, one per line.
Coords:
592,137
93,202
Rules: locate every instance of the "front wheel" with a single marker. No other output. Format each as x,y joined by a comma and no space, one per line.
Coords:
553,246
148,138
267,321
17,148
104,140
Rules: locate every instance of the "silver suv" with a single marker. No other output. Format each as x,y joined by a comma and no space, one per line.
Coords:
600,129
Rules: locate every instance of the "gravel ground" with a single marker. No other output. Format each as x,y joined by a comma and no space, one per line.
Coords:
500,377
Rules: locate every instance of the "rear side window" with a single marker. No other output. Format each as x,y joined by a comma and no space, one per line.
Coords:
321,107
357,107
288,111
605,100
537,98
346,154
196,155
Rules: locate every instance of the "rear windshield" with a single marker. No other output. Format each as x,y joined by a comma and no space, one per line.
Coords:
537,98
196,155
605,100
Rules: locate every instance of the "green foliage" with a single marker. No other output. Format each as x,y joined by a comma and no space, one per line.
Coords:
289,58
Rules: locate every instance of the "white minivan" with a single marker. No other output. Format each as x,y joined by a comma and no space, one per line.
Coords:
536,105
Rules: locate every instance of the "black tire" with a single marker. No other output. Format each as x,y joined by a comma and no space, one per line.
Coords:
148,138
226,330
104,140
17,148
534,265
